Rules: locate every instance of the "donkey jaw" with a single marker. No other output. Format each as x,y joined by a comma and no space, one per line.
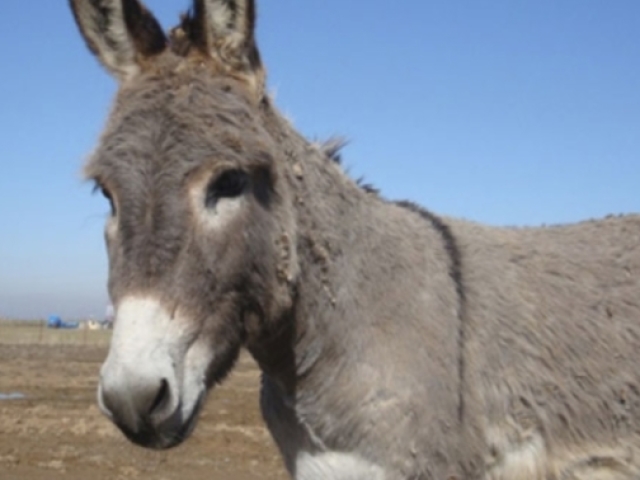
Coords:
152,385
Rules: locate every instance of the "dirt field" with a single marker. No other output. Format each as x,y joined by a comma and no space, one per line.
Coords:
57,432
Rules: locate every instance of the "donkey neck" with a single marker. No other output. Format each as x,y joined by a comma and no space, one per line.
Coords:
374,328
366,266
328,210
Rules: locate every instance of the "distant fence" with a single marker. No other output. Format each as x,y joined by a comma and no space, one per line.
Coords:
36,332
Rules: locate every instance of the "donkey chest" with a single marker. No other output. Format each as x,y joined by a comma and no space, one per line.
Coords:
305,453
335,465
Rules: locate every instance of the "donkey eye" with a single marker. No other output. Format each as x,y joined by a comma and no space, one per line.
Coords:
106,194
229,184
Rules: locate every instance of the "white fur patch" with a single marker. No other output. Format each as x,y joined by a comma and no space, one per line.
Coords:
521,458
223,213
144,329
149,345
335,466
196,361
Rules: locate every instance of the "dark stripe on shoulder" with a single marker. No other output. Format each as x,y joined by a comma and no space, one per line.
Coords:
450,243
455,271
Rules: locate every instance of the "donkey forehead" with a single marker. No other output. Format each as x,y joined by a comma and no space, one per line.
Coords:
172,122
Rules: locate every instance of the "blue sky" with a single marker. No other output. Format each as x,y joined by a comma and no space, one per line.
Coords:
507,112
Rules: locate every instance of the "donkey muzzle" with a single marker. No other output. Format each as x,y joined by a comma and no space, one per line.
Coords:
141,389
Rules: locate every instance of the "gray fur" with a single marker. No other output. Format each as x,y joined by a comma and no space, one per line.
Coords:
394,343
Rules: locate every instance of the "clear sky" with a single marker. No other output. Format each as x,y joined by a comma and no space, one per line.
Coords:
507,112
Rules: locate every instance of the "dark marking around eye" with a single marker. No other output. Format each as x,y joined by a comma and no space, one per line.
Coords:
229,184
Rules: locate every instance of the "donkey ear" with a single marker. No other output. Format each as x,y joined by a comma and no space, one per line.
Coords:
123,34
225,30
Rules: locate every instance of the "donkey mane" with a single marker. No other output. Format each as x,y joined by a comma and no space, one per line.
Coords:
332,148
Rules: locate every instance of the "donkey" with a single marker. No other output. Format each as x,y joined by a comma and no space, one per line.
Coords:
394,343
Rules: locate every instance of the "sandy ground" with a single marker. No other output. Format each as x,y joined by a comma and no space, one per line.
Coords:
57,432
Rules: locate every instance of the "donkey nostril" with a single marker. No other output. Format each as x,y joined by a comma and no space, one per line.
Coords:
161,398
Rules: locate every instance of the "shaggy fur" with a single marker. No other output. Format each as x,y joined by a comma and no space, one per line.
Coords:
395,344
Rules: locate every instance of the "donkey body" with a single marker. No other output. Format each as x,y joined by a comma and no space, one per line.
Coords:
394,344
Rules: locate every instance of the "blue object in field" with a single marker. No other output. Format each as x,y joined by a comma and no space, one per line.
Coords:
55,321
12,396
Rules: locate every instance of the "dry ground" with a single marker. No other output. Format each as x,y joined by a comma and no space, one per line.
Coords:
57,432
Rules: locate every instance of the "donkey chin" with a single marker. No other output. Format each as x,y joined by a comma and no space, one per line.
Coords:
153,382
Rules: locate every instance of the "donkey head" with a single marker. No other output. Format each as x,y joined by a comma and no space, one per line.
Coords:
201,226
